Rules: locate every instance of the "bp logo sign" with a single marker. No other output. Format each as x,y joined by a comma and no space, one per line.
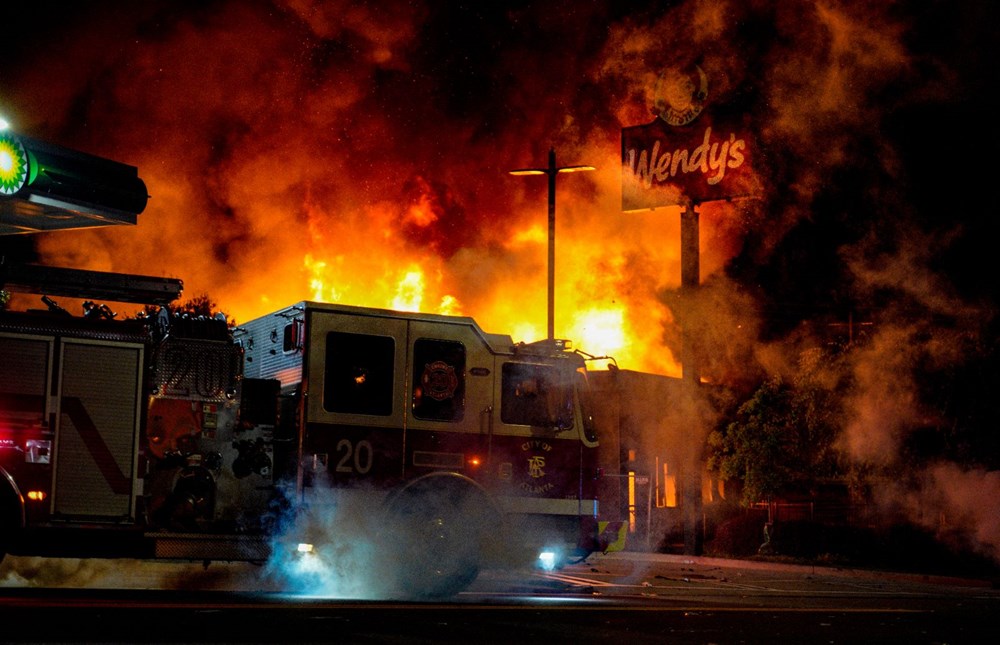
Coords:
14,164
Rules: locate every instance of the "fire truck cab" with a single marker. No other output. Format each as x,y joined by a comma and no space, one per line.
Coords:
480,445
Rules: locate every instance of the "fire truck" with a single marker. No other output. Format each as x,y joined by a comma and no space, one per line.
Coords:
180,437
183,437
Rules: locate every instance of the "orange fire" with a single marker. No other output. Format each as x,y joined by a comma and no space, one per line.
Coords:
279,173
610,266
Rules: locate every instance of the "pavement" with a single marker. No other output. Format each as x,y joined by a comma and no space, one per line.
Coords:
986,582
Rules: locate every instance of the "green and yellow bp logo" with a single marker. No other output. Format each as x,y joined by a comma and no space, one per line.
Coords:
14,164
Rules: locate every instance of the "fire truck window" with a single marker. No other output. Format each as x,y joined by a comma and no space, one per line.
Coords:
535,395
358,378
292,335
438,380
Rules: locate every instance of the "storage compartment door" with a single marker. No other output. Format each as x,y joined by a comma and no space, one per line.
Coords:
25,364
95,456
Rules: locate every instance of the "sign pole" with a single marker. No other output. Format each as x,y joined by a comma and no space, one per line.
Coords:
690,376
701,156
552,170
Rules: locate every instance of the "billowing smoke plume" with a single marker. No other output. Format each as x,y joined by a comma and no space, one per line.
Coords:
818,79
847,234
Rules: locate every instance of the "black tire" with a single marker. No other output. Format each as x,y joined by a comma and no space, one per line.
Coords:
437,529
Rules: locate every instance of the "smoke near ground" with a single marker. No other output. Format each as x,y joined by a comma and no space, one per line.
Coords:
359,153
347,557
95,573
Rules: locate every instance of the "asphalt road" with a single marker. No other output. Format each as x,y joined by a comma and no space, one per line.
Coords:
630,597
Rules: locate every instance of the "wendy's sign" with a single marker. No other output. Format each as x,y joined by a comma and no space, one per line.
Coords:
686,155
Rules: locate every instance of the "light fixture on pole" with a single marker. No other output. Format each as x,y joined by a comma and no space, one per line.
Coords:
551,171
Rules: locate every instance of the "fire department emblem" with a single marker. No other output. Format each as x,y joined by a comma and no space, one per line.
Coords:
536,466
680,95
439,380
539,483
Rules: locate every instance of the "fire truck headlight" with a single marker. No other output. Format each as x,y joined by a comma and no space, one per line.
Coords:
548,559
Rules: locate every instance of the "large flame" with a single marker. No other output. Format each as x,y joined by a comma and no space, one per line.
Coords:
282,167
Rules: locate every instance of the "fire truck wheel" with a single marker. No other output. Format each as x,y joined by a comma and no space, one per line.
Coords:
437,534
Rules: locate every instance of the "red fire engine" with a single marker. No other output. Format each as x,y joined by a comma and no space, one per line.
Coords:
179,437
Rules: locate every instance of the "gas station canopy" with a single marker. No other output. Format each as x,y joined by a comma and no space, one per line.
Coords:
44,187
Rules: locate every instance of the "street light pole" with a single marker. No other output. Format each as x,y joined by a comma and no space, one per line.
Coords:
552,170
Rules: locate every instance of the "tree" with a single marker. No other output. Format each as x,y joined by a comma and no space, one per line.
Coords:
782,438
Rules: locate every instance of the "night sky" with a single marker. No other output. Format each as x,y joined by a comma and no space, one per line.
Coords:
358,152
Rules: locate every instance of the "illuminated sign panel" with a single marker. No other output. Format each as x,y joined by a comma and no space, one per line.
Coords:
686,155
44,187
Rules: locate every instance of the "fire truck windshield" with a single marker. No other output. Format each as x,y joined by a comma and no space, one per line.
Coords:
537,395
